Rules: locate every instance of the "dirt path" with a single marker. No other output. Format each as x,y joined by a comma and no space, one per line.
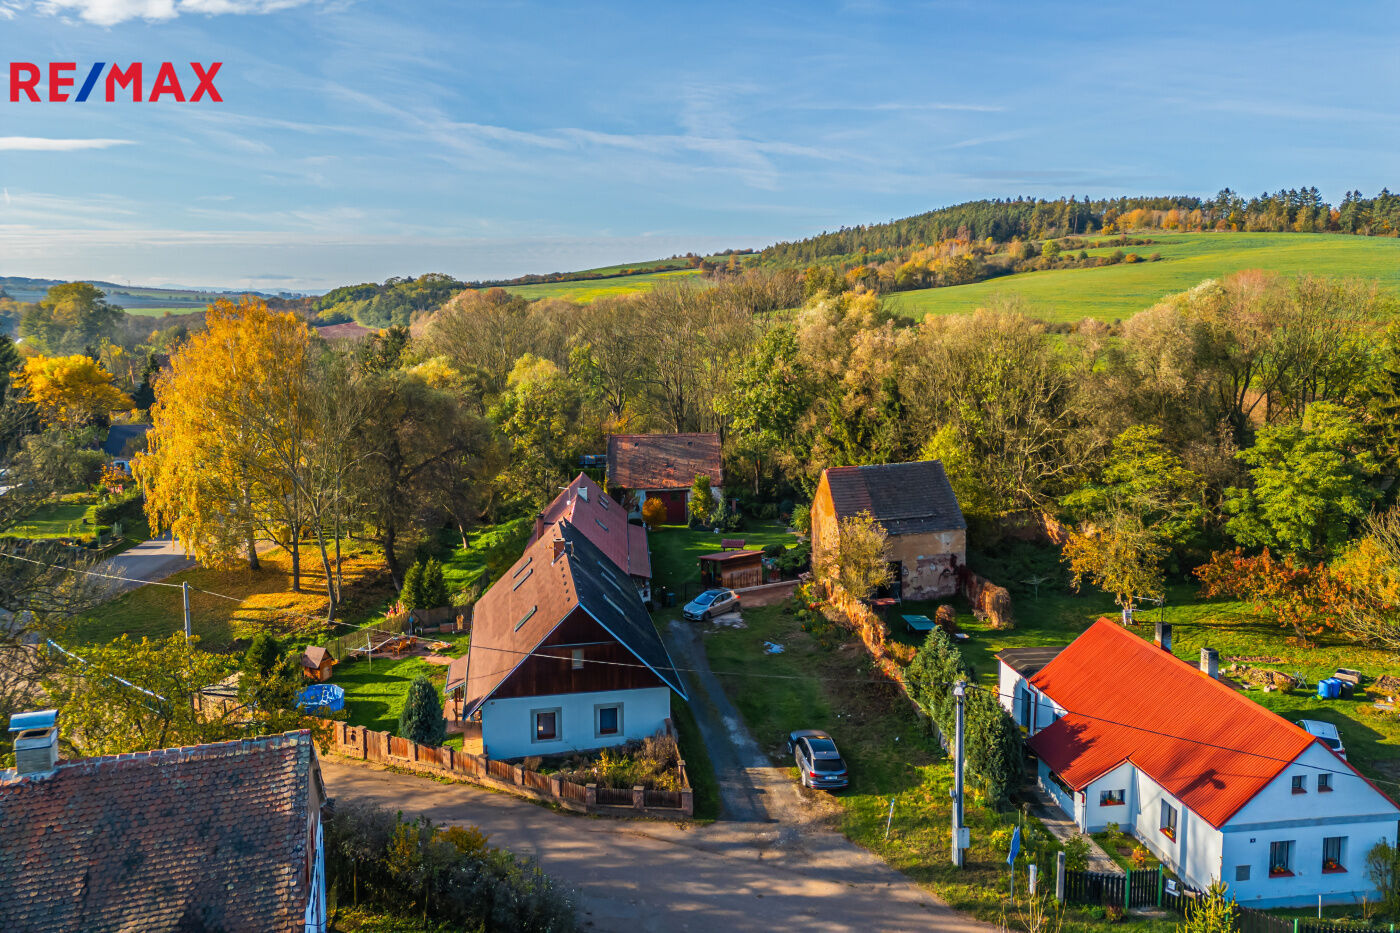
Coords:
649,877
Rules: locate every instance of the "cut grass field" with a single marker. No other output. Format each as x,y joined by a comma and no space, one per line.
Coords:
587,290
56,520
675,551
1117,292
262,601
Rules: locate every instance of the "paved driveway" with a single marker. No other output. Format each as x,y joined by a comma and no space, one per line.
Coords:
651,877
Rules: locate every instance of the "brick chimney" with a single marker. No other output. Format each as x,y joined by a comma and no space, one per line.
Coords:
1210,663
560,547
539,524
36,743
1163,636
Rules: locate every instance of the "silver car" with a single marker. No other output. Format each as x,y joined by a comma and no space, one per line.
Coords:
819,764
711,603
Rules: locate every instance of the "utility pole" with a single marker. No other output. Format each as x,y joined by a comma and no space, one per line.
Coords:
185,591
959,689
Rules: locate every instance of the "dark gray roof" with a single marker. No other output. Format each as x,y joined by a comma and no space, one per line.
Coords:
120,435
1028,661
609,596
906,498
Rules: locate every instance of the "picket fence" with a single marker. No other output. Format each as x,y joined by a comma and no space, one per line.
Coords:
363,744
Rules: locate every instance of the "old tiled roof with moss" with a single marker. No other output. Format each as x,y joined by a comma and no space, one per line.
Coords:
208,837
906,498
663,461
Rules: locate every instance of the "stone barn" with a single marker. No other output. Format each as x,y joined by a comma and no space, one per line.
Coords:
915,504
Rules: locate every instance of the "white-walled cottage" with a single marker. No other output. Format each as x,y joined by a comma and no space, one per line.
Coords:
1215,785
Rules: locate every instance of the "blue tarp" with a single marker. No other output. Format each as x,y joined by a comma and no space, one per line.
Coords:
327,697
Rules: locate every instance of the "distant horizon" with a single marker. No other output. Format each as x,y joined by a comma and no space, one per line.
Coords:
360,140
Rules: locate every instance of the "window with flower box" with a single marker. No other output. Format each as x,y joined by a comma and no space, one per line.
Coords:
1334,854
1168,824
1281,859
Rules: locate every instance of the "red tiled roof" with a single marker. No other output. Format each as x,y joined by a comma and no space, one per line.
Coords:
594,513
663,461
1127,699
210,837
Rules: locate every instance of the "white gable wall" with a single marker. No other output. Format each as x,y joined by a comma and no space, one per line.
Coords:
1195,853
1098,816
508,726
1353,810
1012,689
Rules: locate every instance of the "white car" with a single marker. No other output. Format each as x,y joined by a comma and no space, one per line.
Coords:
1327,733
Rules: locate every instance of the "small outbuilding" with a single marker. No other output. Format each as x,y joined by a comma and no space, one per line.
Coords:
316,664
732,569
664,467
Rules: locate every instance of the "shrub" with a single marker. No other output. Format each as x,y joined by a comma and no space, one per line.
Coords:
1077,853
768,511
802,518
774,551
702,500
796,559
421,719
654,513
1383,871
1214,912
449,876
120,508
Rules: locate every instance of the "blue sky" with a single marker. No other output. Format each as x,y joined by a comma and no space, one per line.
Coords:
359,140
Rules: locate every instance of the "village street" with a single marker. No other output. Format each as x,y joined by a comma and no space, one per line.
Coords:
650,877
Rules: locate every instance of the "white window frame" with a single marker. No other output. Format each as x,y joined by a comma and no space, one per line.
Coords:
535,725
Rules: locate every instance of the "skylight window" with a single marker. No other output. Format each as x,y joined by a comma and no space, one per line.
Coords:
600,524
603,501
522,579
526,617
524,565
583,493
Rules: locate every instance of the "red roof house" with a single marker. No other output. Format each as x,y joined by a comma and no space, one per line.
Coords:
596,515
1214,784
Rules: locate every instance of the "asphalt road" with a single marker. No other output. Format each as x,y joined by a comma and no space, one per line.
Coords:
652,877
148,561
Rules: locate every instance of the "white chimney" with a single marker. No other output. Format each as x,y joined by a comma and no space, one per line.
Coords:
1164,635
1210,663
36,742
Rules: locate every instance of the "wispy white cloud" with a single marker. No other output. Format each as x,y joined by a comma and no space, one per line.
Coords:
43,144
938,105
112,12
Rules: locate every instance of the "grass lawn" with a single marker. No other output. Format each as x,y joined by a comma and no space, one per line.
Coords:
62,519
675,550
490,550
698,768
375,690
1120,847
1119,291
264,602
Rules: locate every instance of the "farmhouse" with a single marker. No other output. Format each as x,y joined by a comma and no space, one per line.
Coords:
1215,785
663,466
927,534
224,836
564,656
592,512
123,441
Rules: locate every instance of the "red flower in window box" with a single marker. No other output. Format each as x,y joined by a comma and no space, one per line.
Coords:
1332,866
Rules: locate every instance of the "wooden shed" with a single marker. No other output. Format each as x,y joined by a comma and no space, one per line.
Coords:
316,663
733,569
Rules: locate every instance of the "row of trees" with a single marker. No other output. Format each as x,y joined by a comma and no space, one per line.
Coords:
1002,220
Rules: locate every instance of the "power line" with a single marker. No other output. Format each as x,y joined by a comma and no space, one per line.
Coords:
94,573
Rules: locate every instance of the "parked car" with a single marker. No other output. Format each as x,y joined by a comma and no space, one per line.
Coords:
819,764
711,603
1327,733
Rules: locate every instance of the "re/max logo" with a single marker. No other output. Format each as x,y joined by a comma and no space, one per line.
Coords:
24,80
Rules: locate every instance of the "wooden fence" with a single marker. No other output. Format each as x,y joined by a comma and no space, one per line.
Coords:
362,744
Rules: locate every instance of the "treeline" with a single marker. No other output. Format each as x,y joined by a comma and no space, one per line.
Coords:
397,302
1003,220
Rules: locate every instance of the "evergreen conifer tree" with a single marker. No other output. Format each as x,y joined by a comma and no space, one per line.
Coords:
421,720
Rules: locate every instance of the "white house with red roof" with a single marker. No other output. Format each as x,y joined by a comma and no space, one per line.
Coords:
1212,783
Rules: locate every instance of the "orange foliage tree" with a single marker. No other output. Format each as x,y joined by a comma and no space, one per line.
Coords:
1308,598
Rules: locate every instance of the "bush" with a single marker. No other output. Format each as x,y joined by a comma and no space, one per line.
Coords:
421,719
768,511
447,876
1077,853
122,508
1383,871
796,559
774,551
702,501
654,513
802,518
653,762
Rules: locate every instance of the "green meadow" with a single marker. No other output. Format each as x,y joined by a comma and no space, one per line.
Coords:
1119,291
588,290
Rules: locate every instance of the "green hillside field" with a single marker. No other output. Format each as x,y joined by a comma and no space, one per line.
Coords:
593,289
1119,291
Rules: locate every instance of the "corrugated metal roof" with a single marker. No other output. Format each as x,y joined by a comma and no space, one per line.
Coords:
906,498
1206,744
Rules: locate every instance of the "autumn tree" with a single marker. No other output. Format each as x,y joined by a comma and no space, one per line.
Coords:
70,391
702,505
540,416
1307,598
1123,556
856,560
654,513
